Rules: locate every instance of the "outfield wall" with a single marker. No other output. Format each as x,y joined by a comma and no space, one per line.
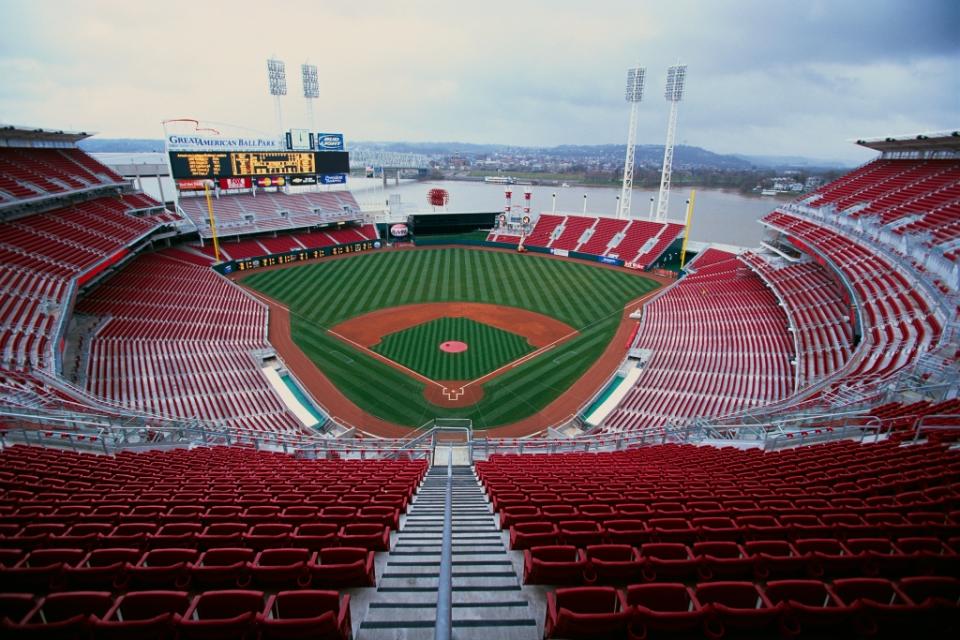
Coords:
588,257
292,257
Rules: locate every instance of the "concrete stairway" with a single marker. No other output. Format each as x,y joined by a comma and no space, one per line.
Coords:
488,601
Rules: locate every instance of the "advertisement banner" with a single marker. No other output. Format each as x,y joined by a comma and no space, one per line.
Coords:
329,142
193,185
272,181
608,260
563,253
298,180
334,178
235,183
193,142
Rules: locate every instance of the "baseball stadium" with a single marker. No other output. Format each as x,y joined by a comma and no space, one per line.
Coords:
254,408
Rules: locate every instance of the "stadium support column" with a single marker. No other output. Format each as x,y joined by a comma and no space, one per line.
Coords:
633,95
686,231
676,75
213,222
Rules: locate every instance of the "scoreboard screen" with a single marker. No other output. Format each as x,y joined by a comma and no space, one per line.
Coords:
186,165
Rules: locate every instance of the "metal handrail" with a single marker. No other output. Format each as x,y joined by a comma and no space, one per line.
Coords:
919,426
444,622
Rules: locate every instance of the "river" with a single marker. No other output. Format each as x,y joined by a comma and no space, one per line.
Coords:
727,217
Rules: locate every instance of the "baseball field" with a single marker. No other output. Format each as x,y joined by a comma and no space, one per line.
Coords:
378,325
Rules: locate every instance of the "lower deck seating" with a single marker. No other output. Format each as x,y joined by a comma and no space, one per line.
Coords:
898,324
691,539
175,340
130,544
718,344
817,312
41,254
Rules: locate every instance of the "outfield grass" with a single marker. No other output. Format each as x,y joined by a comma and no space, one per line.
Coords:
321,294
488,348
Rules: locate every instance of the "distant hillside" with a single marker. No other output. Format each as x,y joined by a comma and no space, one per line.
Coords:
122,145
647,154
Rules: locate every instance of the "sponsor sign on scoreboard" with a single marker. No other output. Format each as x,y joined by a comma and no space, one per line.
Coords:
271,181
193,185
235,183
334,178
298,180
330,141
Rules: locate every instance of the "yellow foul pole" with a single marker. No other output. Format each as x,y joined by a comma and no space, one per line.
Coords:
213,223
686,234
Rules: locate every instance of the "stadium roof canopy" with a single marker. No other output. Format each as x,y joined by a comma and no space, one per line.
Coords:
940,140
37,136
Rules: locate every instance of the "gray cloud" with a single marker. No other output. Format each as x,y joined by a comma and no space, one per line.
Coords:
765,76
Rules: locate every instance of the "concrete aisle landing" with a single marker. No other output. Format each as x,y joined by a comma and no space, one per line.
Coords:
488,602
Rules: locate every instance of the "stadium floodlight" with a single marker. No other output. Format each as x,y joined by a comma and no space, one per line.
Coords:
673,92
311,88
633,94
277,77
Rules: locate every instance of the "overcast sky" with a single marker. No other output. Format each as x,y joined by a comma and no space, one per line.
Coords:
800,77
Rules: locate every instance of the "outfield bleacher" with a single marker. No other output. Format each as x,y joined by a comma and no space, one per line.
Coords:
638,243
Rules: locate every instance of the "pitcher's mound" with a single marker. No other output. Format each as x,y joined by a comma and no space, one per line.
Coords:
453,346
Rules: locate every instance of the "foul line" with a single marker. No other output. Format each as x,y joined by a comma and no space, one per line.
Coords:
449,391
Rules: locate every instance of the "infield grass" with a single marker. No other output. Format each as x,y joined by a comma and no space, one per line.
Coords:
488,348
319,295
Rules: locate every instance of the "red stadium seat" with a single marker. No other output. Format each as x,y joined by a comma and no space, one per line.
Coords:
580,533
723,561
612,564
222,568
811,607
667,561
524,535
143,614
342,567
306,614
14,606
283,568
881,607
586,612
101,569
370,536
62,615
559,564
736,606
222,614
665,608
161,569
315,536
38,569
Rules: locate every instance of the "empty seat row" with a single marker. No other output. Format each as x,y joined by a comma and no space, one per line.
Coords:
724,560
370,532
853,607
120,569
166,614
637,528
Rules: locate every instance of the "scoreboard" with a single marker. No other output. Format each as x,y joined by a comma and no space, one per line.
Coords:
194,165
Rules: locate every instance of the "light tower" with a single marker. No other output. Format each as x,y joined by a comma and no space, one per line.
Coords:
277,77
311,88
633,95
673,93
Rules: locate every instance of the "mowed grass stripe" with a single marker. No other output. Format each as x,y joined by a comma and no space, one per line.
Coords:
321,294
